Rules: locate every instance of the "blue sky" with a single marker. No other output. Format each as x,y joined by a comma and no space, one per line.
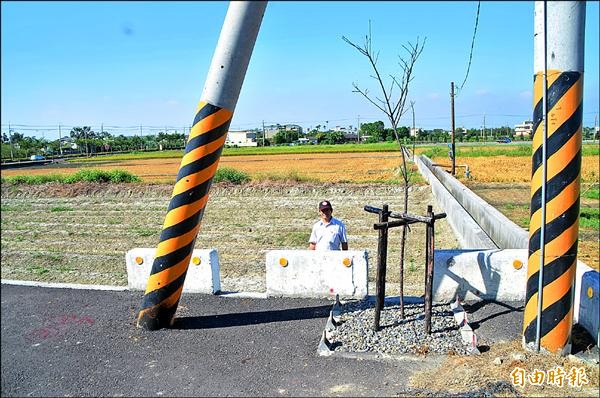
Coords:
126,64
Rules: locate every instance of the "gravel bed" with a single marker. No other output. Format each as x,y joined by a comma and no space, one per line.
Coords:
354,331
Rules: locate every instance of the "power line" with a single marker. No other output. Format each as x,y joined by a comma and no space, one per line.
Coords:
472,45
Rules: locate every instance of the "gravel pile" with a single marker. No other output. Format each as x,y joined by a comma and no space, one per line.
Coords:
354,331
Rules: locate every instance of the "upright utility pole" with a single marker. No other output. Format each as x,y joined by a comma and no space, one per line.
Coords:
86,141
414,131
484,133
358,129
453,146
199,163
59,140
10,141
559,30
263,124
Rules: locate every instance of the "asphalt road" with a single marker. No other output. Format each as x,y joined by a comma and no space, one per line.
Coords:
65,342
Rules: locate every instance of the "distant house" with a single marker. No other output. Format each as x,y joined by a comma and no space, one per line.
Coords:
524,129
350,137
414,132
273,129
68,142
241,138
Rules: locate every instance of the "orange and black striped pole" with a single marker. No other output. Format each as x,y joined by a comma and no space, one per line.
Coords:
555,181
199,163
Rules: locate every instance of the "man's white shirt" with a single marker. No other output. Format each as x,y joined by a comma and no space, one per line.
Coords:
328,236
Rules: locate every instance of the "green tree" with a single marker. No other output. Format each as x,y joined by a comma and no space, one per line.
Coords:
332,138
375,131
285,137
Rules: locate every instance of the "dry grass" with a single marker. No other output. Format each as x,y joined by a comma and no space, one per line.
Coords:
318,167
81,232
511,168
459,374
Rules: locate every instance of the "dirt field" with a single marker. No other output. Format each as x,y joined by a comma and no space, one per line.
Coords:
318,167
373,167
502,181
81,232
503,169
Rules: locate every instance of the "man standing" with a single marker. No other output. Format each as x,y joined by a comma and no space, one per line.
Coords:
328,233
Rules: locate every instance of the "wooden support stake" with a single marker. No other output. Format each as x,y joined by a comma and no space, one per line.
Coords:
429,268
381,266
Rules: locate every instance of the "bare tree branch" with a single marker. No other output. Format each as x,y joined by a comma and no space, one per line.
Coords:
393,109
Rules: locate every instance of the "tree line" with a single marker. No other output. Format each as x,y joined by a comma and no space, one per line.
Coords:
85,141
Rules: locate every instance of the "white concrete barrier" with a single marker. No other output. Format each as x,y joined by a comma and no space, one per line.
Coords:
202,275
480,274
501,275
309,273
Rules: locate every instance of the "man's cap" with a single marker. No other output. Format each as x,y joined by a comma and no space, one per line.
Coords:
325,205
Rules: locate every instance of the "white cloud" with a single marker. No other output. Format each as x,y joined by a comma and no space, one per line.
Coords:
481,92
526,94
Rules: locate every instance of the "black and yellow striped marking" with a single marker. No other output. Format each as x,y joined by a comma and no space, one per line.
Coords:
563,169
184,215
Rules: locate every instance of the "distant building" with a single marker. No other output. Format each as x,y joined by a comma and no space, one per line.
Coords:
524,129
414,132
241,138
273,129
344,130
68,142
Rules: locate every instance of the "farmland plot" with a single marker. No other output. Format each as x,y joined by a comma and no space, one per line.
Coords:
81,232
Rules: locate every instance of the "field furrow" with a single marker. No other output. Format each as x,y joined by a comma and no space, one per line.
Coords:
84,238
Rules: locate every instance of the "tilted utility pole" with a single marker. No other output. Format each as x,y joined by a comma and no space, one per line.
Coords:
199,163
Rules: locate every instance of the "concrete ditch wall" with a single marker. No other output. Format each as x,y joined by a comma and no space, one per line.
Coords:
502,231
468,233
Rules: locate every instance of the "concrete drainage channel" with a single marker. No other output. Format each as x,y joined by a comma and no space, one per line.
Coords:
479,225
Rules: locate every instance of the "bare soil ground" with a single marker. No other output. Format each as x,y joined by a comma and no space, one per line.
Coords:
81,232
318,167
